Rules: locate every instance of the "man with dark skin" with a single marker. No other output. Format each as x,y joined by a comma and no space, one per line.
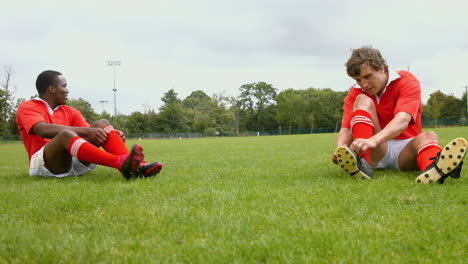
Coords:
61,143
381,126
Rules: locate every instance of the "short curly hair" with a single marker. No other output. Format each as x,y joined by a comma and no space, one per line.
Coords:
365,55
46,79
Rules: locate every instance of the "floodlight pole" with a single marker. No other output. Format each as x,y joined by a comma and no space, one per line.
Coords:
103,102
113,64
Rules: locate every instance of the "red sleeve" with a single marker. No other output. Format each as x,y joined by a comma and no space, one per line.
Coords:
28,115
409,99
78,118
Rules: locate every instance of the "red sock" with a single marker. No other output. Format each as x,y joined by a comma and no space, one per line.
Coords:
87,152
425,154
114,143
362,127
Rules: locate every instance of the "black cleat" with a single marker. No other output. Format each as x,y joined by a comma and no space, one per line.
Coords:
131,162
352,164
448,163
148,169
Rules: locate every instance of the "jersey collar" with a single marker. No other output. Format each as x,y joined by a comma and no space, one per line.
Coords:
392,76
51,111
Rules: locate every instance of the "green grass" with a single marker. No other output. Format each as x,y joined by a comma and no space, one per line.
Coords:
232,200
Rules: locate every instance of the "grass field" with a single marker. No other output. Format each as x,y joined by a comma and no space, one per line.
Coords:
272,199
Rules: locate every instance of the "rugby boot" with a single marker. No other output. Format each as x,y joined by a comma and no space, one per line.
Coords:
131,162
352,164
148,169
447,163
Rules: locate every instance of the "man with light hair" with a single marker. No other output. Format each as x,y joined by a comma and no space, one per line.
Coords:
381,125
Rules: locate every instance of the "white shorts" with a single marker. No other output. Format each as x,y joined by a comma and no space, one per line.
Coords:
390,161
36,167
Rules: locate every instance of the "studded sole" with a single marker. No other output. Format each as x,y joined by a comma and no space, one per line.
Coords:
450,157
347,161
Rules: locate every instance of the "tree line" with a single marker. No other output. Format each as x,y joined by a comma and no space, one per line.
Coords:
259,107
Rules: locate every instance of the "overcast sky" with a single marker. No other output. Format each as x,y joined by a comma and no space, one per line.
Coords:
217,46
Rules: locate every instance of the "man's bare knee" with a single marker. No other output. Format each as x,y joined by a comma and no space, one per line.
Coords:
66,135
101,123
365,103
422,139
428,137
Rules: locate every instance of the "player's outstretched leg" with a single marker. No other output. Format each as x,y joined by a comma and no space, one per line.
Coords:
447,163
352,164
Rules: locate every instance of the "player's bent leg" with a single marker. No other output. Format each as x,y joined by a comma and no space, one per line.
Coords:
363,102
447,163
134,166
56,156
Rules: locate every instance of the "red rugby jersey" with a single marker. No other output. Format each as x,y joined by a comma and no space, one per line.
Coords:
402,94
36,110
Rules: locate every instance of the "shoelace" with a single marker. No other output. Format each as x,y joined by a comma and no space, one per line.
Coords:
433,158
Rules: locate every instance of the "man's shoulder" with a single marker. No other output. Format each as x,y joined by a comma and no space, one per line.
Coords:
355,89
406,75
30,103
68,108
68,111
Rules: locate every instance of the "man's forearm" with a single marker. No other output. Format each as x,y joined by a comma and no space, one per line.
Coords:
394,128
51,130
344,137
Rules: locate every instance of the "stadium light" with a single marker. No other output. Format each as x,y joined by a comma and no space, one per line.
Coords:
113,64
103,102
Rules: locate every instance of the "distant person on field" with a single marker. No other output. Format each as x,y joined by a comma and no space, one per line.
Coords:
61,143
381,125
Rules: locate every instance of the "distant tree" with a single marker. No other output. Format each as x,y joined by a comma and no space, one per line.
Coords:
463,105
12,122
255,99
223,114
291,108
120,122
152,122
7,113
105,115
198,107
328,107
435,104
198,100
452,108
313,108
442,106
136,123
235,109
172,115
85,108
170,98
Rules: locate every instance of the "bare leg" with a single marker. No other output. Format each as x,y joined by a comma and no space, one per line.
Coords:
407,158
56,157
